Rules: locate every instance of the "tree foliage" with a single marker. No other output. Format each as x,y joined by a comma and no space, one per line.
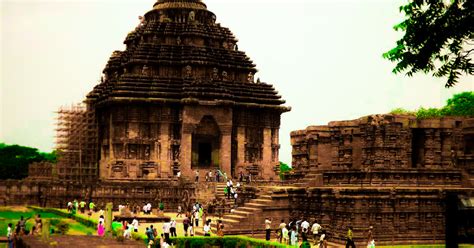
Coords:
284,168
439,38
461,104
14,160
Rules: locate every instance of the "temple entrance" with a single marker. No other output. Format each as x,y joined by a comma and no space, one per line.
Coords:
206,144
205,154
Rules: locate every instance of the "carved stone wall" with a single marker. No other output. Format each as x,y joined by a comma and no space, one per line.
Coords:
57,194
394,149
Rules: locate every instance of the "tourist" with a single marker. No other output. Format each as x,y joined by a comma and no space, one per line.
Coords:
315,230
155,232
82,206
294,236
148,208
21,226
218,176
186,223
101,219
38,223
33,230
191,230
163,243
173,228
350,241
100,229
323,240
180,210
370,238
161,206
127,231
10,235
210,176
75,206
69,207
298,224
220,228
207,228
135,225
235,199
280,228
178,175
284,235
196,173
145,209
268,226
91,206
166,231
305,227
228,189
196,217
149,235
241,176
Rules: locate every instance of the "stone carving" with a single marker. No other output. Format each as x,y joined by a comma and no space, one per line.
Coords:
188,72
178,40
191,16
225,77
145,70
215,74
250,78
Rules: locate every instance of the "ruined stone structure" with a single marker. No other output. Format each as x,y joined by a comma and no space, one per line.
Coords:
182,97
54,193
391,172
388,150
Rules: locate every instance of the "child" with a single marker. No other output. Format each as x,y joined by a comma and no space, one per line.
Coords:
100,229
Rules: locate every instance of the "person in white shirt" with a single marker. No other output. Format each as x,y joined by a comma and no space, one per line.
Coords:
196,217
268,229
166,231
315,230
10,235
101,219
207,228
135,225
305,226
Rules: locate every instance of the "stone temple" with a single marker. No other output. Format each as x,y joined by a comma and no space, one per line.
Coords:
182,97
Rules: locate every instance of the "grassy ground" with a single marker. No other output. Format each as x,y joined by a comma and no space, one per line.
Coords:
13,214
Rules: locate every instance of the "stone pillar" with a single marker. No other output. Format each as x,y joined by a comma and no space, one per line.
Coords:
225,149
267,154
108,217
186,150
240,146
165,149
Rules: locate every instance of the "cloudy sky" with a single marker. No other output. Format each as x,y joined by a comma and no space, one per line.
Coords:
324,57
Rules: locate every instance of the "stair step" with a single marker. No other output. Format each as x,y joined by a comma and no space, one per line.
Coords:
254,204
248,208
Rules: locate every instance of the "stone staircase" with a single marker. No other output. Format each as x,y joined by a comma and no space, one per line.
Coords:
242,219
311,178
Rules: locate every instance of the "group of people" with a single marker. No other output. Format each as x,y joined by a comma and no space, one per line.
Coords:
289,234
74,206
219,176
20,229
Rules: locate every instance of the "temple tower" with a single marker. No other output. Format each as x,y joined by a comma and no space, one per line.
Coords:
182,97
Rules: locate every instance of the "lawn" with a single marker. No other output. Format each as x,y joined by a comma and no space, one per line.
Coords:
13,214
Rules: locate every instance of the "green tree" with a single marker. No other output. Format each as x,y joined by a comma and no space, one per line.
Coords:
439,38
283,169
14,160
461,104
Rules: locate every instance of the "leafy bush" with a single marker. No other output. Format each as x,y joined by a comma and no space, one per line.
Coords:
284,168
62,227
461,104
226,241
